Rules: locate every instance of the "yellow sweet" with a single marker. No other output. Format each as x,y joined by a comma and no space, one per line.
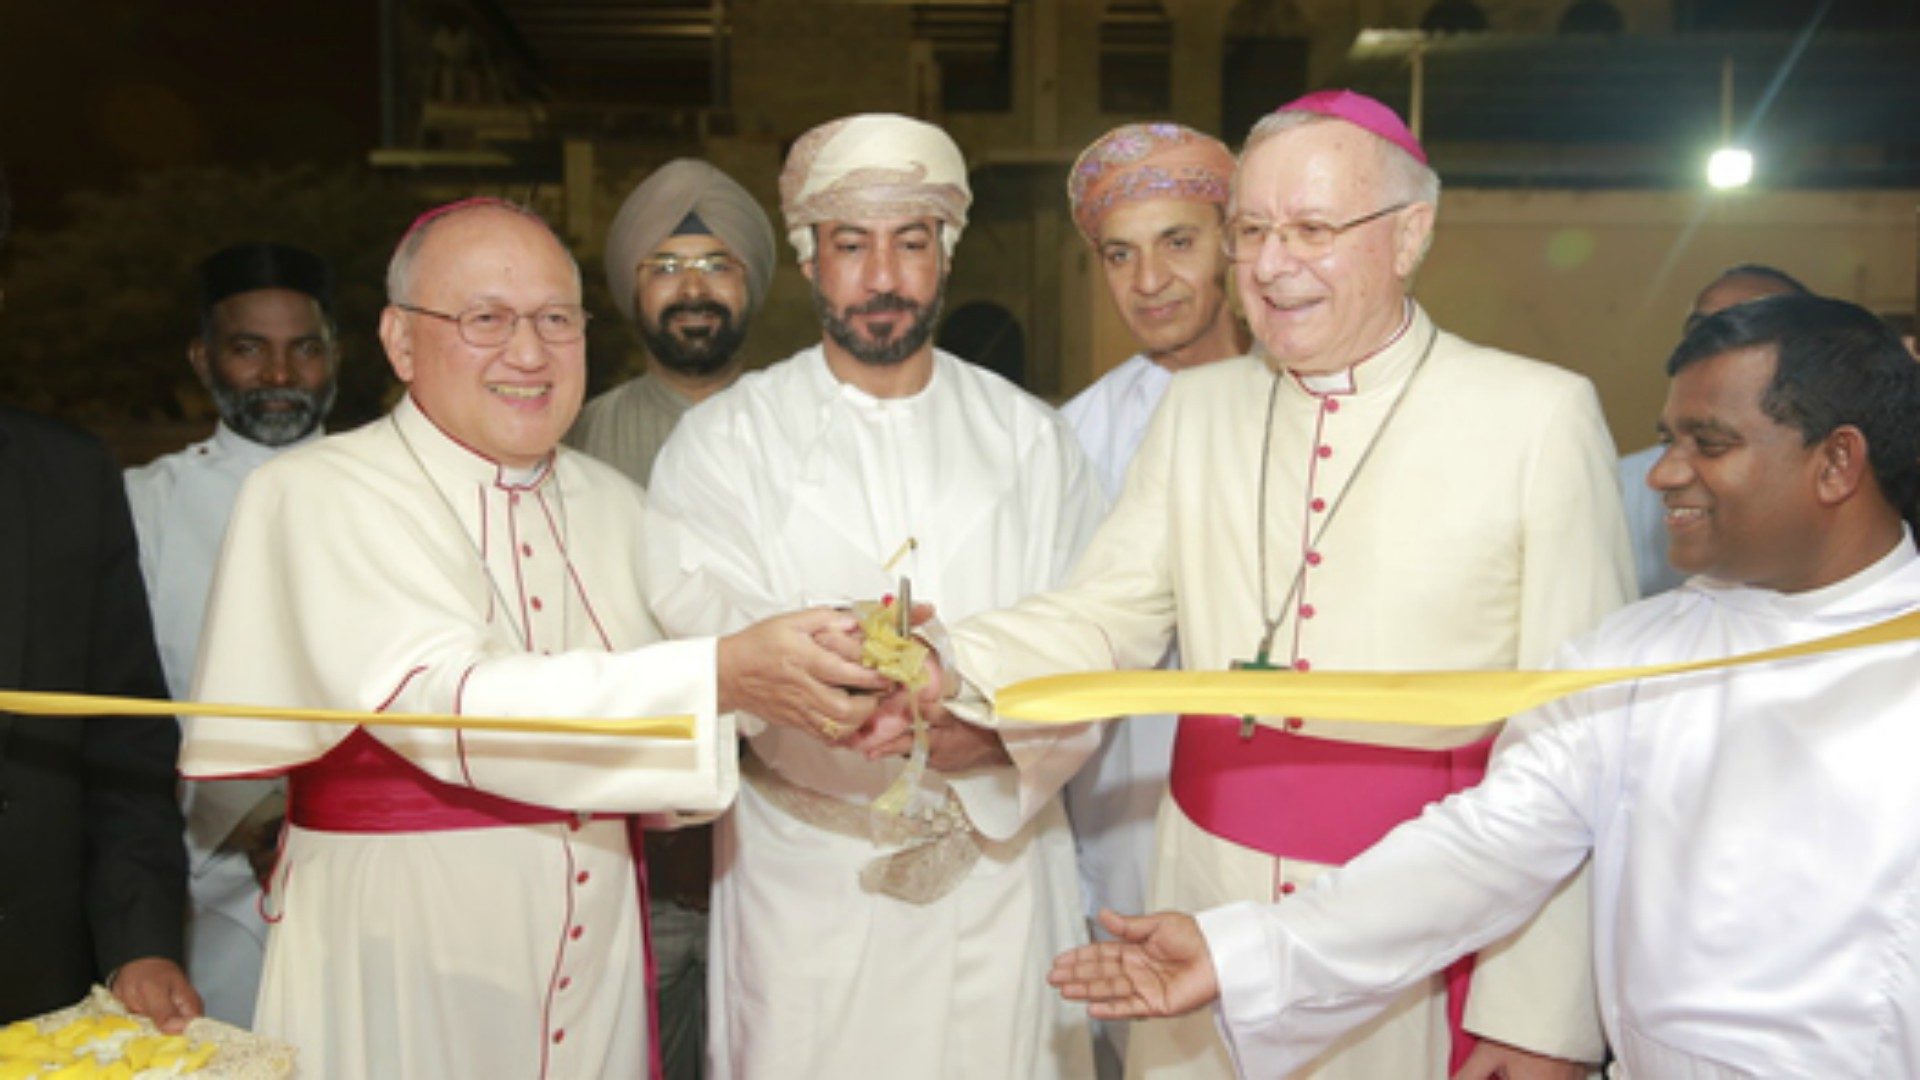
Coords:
15,1069
902,659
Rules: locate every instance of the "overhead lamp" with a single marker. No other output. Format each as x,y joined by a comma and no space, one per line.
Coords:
1730,166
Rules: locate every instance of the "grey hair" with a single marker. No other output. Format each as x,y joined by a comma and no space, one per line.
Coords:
1407,180
400,267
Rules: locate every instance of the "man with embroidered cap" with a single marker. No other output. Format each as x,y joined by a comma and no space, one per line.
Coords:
878,913
465,902
1792,453
1364,491
1150,199
688,258
266,353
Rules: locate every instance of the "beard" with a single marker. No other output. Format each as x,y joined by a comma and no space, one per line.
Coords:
251,415
897,346
697,350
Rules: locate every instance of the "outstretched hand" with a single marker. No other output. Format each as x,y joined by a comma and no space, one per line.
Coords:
156,988
1158,966
793,670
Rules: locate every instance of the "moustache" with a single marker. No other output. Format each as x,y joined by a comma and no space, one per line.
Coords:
710,308
882,304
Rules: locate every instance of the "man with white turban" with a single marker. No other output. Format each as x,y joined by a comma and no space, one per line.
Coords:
1150,199
850,941
689,257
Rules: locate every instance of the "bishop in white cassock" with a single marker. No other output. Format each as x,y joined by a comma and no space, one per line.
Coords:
456,902
267,355
844,944
1753,856
1366,491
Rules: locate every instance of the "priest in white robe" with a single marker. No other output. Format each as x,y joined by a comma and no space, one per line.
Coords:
849,942
1365,491
461,902
1753,855
266,353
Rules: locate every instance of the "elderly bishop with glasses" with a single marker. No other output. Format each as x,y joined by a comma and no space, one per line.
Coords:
1363,491
463,902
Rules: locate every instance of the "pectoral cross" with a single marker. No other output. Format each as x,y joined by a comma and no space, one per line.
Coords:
1258,663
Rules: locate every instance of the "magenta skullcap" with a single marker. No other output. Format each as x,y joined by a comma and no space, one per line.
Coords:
1361,111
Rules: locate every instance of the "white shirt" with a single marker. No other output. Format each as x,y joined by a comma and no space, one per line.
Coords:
1112,800
180,505
392,569
792,488
1755,868
1646,523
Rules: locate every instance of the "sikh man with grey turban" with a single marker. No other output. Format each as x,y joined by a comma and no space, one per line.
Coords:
688,260
881,909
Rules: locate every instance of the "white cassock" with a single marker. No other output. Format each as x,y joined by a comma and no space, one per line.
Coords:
1112,800
1482,531
1755,867
793,488
392,569
180,504
1646,523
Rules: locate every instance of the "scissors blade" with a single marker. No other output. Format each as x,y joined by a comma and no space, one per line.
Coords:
905,613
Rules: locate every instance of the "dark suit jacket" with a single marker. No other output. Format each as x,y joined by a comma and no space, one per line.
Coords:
92,867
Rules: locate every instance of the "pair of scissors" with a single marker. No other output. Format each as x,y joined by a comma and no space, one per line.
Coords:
903,616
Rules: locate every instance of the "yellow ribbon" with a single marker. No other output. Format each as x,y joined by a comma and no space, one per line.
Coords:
1411,698
44,704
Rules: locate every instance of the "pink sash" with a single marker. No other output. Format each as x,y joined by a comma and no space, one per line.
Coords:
363,786
1318,800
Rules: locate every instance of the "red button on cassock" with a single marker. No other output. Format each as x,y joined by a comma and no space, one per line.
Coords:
536,603
1325,451
1313,558
1318,505
566,981
1333,404
1286,888
560,1036
527,550
576,932
1294,723
581,877
1306,611
1302,665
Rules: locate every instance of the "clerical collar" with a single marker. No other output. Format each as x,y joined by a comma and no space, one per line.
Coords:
1859,592
441,450
1384,366
237,445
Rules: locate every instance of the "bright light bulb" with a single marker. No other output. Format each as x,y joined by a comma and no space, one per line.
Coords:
1729,167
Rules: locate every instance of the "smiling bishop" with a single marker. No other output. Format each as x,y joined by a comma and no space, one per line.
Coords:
1365,491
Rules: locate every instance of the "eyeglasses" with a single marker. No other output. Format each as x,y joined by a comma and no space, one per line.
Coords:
492,325
1245,237
675,265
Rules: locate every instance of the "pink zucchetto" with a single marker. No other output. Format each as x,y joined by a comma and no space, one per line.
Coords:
1362,112
1146,161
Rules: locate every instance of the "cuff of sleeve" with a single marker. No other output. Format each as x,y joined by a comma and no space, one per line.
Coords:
1242,962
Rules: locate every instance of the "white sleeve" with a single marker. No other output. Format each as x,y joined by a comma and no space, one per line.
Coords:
1296,975
328,598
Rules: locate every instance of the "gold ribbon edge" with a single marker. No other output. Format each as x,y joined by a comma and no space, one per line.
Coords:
35,703
1406,698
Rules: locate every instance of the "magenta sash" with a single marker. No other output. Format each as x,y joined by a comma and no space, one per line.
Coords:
1318,800
363,786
